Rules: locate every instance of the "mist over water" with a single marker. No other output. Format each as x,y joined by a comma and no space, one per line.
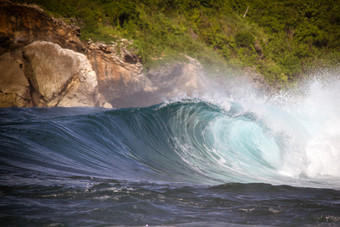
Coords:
288,138
212,158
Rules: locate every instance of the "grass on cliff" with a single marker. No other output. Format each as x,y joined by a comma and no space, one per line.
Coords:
280,39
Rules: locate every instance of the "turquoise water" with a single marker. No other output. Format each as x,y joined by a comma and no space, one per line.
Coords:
190,162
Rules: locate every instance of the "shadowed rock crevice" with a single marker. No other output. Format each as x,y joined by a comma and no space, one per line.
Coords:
31,79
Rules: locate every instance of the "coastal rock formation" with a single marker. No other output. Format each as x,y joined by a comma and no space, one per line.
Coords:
119,73
39,64
43,63
21,25
59,77
14,87
123,82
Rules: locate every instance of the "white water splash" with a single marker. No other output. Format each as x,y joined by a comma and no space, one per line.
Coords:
307,124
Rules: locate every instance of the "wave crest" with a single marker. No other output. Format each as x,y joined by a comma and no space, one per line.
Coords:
189,140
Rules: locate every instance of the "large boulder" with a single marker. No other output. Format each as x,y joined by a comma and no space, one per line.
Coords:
59,77
38,62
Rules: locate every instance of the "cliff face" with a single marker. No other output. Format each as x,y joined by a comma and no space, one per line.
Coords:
118,74
36,73
21,25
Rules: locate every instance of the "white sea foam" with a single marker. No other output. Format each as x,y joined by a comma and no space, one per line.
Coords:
288,138
305,125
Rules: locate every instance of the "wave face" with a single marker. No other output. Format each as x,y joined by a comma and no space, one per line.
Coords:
186,145
189,141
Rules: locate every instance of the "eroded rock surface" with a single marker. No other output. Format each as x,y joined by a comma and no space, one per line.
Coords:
41,61
59,77
14,87
120,74
22,24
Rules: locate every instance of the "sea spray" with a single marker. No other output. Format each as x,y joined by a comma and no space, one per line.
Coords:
306,124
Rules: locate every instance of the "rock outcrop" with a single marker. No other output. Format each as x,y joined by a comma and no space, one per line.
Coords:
119,73
45,75
14,87
21,25
43,63
123,83
59,77
40,61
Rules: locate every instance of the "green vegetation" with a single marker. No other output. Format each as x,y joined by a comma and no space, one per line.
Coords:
281,39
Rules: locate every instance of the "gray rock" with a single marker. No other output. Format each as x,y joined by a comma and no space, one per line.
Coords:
59,77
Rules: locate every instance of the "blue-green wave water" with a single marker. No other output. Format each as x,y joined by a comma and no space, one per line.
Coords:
189,162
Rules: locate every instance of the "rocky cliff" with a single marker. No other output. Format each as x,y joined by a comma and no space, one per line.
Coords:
43,63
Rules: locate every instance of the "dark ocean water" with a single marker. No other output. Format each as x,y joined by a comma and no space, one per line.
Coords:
183,163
